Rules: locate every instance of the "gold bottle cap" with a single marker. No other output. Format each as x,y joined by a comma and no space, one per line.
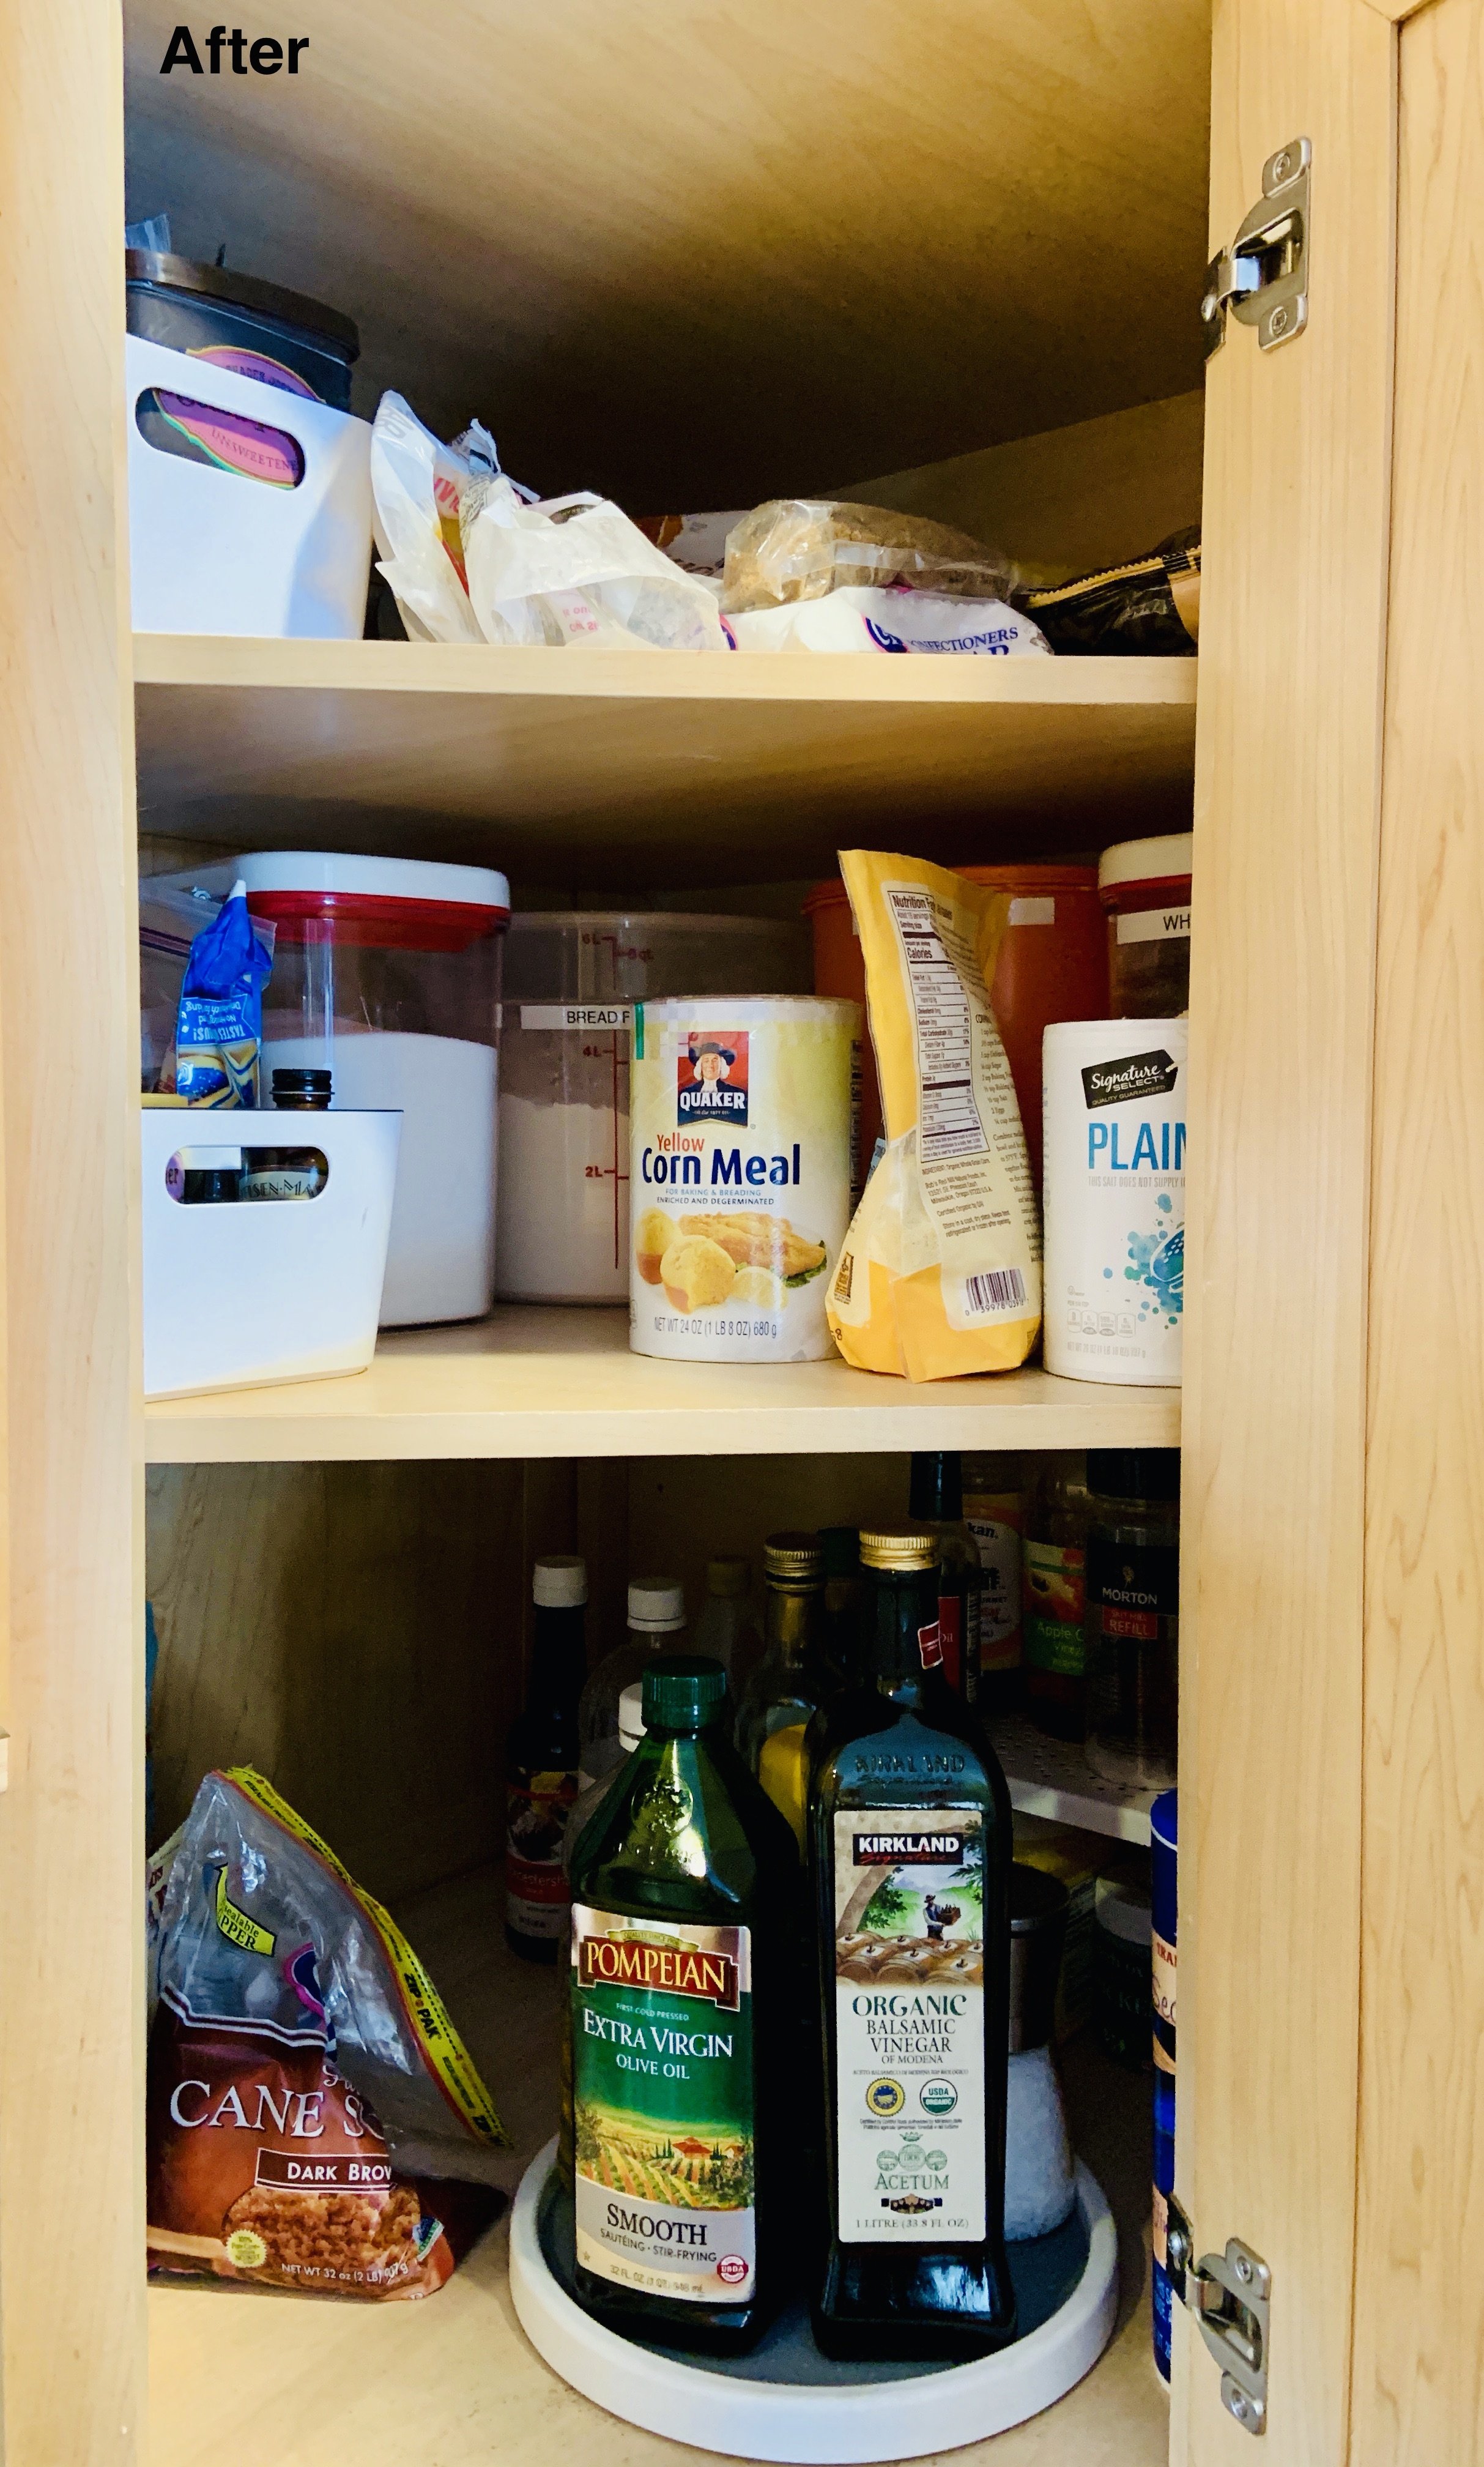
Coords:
794,1559
901,1547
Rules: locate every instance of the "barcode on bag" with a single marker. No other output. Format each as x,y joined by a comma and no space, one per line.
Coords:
995,1289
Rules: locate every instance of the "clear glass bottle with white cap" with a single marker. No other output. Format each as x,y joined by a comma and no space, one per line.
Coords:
541,1764
657,1624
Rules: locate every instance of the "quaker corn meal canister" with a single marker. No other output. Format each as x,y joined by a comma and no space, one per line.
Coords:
739,1174
1115,1190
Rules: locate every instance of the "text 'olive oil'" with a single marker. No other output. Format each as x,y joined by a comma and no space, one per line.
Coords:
684,2006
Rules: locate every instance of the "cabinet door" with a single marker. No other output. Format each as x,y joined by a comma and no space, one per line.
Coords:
1418,2377
71,1826
1288,804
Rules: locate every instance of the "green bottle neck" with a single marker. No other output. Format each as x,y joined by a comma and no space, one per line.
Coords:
904,1606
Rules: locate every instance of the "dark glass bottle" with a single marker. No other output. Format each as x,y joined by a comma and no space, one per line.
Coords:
290,1173
541,1765
1055,1600
792,1680
935,1499
910,1854
686,1946
847,1594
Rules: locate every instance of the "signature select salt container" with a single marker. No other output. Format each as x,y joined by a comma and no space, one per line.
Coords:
1114,1187
386,972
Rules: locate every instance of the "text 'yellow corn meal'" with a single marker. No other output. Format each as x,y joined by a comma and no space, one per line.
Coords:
941,1272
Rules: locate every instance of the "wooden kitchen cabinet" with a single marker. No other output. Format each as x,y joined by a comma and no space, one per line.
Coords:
692,248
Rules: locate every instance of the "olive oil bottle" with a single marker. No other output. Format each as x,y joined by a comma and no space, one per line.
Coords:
685,2005
910,1851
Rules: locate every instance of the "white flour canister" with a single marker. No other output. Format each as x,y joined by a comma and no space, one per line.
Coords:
1114,1110
739,1173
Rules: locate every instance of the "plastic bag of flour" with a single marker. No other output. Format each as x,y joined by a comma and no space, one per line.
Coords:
863,618
419,485
940,1273
576,572
314,2121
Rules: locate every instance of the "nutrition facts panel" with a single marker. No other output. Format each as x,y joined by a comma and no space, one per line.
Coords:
949,1124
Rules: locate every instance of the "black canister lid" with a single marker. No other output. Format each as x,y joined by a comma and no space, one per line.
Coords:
1134,1473
236,290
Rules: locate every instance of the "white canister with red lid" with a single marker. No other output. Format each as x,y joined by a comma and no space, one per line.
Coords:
387,972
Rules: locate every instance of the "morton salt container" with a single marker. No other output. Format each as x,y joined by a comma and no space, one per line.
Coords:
739,1167
1114,1193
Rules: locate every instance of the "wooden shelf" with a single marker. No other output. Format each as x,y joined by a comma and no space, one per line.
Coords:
532,1382
1052,1779
651,766
288,2381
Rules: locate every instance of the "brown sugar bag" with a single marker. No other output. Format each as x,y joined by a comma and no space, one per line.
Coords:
311,2110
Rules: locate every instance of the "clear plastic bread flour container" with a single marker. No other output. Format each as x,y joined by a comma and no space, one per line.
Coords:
571,981
386,971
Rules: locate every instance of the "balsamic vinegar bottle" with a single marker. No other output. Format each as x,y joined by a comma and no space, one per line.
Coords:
685,1999
541,1763
910,1848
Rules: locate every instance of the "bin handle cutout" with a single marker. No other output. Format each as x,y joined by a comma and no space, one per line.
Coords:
225,440
214,1177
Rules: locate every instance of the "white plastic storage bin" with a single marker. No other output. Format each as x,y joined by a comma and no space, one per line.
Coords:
247,1293
215,550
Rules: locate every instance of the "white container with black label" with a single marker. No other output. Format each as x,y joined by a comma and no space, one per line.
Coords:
1114,1110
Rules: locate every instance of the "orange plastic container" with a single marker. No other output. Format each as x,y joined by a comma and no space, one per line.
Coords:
1053,964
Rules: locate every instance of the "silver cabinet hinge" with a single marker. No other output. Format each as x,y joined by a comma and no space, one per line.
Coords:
1263,278
1230,2294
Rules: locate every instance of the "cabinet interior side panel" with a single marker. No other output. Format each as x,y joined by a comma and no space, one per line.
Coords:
1287,826
1419,2337
354,1631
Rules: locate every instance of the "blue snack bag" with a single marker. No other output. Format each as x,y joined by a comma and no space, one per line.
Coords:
218,1022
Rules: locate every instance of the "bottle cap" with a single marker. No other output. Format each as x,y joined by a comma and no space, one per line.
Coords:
794,1559
1134,1473
296,1087
900,1546
840,1545
937,1486
657,1603
682,1691
631,1717
727,1578
559,1584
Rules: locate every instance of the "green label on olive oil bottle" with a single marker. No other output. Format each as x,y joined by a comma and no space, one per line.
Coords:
910,2024
662,2105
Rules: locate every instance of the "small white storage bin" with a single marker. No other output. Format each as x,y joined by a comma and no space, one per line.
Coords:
244,1294
214,551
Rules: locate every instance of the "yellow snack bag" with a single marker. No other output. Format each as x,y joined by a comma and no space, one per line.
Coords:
940,1273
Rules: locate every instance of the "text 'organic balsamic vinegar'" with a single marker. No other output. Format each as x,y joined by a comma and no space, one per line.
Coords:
910,1855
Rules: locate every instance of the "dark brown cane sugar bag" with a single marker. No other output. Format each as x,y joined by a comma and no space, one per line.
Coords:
314,2121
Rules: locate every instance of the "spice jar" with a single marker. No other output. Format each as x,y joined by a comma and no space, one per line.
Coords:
1133,1596
1145,885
